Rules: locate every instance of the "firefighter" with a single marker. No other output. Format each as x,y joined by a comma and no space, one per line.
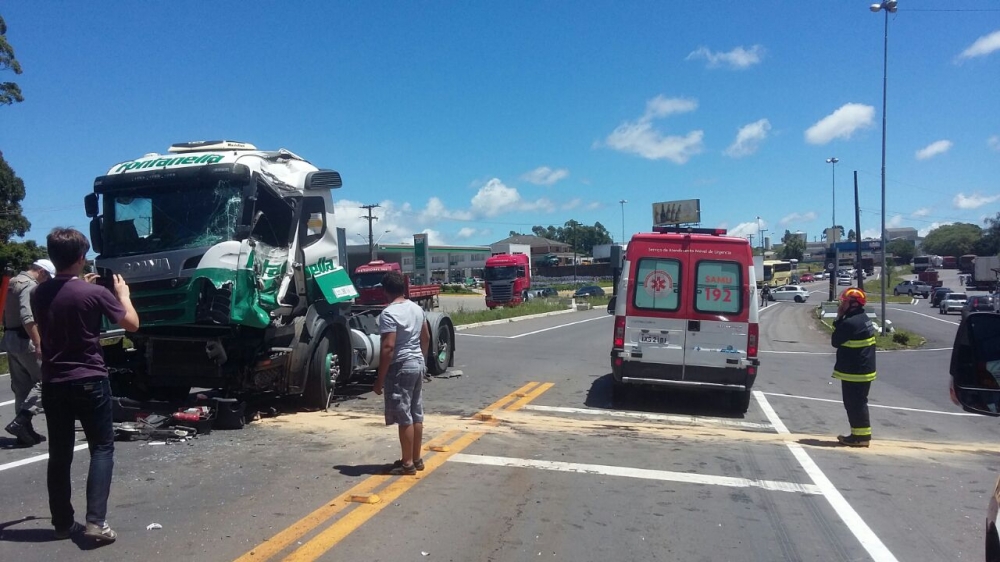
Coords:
854,338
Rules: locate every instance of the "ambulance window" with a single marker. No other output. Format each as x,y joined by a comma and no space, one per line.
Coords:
657,284
718,288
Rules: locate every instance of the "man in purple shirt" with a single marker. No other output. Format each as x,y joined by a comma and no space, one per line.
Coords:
75,382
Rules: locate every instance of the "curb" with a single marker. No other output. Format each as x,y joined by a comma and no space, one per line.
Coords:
461,327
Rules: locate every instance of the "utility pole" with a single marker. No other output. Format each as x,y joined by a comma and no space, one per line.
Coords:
371,236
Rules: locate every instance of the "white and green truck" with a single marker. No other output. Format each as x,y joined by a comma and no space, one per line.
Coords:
235,268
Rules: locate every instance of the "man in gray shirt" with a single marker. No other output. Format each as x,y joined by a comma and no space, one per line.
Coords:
23,345
402,364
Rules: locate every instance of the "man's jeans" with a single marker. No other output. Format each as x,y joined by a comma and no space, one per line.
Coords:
89,401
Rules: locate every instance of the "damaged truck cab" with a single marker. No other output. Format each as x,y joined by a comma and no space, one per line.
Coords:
232,258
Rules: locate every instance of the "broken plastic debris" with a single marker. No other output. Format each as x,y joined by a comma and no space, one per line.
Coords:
153,526
422,553
157,443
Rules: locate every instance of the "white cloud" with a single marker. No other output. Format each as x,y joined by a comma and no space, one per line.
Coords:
544,175
797,217
922,212
895,221
594,206
983,46
921,232
435,211
933,149
744,229
974,201
841,124
542,204
739,58
870,234
571,204
994,142
466,232
749,138
434,237
495,198
639,137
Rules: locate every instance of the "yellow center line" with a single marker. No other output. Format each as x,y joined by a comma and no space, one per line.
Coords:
528,397
300,528
353,519
347,524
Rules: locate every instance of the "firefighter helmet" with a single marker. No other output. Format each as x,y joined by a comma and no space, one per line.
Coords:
853,294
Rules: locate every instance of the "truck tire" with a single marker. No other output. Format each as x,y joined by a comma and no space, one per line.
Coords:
442,349
324,369
740,401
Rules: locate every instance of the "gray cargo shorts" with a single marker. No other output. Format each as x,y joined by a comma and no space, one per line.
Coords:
404,404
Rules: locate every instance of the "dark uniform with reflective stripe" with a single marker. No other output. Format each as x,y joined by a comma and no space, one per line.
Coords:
854,338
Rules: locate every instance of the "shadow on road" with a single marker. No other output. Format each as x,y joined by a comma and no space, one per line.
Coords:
362,469
833,444
659,400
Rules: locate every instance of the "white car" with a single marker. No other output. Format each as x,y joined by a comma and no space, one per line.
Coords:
844,280
952,301
796,293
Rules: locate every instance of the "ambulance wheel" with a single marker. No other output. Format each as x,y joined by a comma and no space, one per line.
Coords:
740,401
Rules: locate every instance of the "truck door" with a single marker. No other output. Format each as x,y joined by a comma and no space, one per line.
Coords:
321,275
654,328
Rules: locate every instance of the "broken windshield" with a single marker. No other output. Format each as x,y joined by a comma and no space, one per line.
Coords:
157,219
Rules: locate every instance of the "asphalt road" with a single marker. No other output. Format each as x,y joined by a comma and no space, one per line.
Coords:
540,463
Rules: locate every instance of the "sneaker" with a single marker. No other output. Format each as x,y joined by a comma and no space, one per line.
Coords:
418,464
854,441
63,534
20,427
403,470
100,533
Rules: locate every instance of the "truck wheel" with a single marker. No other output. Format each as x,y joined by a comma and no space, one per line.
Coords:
441,354
322,377
740,401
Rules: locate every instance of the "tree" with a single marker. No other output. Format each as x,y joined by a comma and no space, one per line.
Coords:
582,238
12,222
989,244
17,256
10,92
851,235
952,239
793,249
902,249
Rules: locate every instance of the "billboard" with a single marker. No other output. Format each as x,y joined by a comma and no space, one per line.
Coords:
685,211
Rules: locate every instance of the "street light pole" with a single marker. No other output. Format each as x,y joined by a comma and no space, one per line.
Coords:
833,233
623,201
889,6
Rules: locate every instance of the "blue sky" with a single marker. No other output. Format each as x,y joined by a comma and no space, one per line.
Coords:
470,119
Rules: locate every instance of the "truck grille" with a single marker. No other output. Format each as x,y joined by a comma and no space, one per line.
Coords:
501,293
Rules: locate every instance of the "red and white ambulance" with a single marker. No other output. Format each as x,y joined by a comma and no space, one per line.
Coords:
686,313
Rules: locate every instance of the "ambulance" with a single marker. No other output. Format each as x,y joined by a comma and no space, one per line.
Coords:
686,314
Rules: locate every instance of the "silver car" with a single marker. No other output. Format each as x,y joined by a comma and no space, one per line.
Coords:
953,301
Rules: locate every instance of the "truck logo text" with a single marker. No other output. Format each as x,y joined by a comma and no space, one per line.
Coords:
146,267
165,162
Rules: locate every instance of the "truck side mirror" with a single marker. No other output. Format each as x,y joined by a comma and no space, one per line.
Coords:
975,363
612,304
96,236
90,205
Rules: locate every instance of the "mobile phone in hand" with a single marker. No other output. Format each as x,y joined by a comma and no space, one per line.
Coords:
106,278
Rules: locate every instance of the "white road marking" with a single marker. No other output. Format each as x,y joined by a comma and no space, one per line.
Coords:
870,405
7,403
693,420
35,458
927,316
868,539
627,472
535,331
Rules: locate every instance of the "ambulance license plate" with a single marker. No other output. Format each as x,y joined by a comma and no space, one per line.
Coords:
652,338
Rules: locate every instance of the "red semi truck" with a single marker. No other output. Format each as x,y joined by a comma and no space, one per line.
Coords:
368,281
508,278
